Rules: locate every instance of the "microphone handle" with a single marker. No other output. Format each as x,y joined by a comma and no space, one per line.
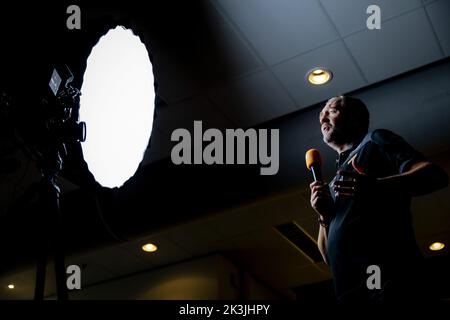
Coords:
317,173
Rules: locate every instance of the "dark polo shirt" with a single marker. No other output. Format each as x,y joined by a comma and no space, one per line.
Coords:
375,227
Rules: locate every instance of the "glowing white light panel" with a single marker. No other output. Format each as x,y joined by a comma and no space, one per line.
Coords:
117,104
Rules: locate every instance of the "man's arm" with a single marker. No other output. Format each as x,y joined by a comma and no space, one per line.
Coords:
422,178
322,243
417,175
322,203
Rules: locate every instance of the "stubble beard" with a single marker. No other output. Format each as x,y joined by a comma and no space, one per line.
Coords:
337,136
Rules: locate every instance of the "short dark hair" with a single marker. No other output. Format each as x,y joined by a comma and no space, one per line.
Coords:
358,109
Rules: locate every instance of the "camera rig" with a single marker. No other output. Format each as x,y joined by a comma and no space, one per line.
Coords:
42,135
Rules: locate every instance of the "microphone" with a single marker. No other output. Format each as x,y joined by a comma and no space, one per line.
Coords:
313,163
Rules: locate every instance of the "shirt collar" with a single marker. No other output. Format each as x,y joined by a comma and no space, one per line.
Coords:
344,155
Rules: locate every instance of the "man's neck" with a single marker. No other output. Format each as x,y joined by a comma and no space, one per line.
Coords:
343,147
345,143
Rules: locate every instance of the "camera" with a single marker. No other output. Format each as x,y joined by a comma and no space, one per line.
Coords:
62,107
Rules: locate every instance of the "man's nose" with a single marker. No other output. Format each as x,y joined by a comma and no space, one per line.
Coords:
324,118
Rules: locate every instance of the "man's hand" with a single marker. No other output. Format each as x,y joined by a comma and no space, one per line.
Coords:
321,200
353,183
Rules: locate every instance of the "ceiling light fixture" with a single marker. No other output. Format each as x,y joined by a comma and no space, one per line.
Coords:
11,286
149,247
436,246
319,76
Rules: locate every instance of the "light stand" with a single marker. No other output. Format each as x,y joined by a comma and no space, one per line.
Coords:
61,126
64,127
51,241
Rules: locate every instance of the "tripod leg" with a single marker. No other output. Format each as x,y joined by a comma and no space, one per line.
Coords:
40,276
60,274
50,193
58,248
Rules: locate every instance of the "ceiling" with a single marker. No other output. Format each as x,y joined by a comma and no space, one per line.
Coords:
272,45
269,47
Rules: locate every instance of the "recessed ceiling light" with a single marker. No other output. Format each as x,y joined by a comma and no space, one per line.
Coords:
11,286
319,76
149,247
436,246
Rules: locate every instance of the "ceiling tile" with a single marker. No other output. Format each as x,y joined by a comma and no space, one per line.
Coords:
346,76
262,214
239,57
350,15
425,2
241,221
439,13
223,246
196,238
257,246
285,208
118,260
252,100
402,44
280,29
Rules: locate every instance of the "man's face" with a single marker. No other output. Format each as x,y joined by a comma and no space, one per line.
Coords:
331,122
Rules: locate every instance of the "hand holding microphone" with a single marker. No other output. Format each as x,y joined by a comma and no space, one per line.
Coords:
321,200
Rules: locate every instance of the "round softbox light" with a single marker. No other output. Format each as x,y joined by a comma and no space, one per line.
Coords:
117,104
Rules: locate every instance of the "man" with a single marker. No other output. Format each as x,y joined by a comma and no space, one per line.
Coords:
364,213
